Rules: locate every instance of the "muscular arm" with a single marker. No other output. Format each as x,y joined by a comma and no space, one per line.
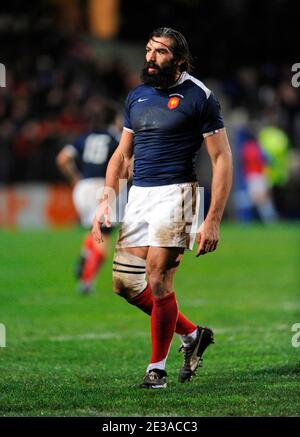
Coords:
119,164
118,168
66,163
220,155
219,151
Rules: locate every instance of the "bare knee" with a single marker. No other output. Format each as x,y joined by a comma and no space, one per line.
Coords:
162,264
158,282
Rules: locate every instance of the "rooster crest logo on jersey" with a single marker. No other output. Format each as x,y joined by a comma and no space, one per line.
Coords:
173,102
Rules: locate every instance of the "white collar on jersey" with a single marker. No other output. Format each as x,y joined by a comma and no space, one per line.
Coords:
180,80
186,76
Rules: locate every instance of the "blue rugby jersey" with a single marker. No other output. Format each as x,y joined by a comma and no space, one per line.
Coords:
93,150
168,127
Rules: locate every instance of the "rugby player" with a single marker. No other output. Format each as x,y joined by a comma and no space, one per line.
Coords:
166,119
84,164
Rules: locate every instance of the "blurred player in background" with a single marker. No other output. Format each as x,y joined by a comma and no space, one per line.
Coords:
84,164
166,120
254,165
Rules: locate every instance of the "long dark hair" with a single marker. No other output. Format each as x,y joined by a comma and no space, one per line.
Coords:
180,48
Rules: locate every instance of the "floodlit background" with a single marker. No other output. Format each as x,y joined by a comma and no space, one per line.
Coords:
69,355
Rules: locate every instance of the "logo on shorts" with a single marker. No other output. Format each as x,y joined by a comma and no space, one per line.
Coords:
173,102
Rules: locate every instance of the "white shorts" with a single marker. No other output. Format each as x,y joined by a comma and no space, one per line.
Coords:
257,187
86,195
164,216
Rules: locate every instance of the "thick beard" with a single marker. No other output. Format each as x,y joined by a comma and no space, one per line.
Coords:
163,78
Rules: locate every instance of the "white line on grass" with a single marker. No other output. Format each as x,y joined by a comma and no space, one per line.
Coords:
88,336
119,336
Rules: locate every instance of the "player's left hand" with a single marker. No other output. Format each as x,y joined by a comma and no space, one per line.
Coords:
207,237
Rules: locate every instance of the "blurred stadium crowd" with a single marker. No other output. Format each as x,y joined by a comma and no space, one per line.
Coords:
52,89
55,81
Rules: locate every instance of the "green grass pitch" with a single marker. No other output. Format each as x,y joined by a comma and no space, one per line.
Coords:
73,355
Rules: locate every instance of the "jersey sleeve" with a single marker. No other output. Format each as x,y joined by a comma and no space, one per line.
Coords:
70,149
78,145
212,119
112,147
127,122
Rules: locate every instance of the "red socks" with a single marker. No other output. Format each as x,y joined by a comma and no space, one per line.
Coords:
144,301
184,326
94,259
163,321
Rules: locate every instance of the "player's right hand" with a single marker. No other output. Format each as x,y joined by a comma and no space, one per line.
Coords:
102,216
